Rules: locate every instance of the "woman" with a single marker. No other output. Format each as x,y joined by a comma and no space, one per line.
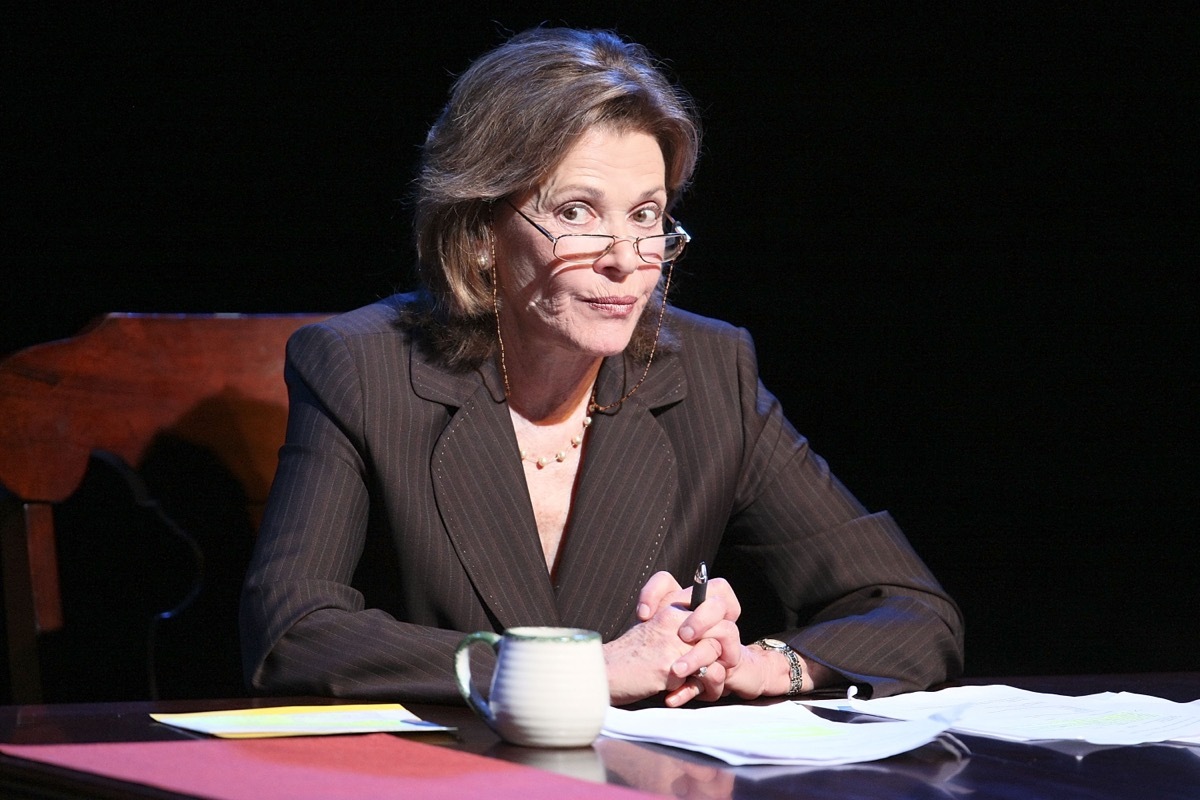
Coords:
535,438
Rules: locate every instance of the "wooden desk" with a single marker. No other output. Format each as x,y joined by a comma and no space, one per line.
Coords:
992,769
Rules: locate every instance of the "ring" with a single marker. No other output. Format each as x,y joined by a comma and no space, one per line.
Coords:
700,673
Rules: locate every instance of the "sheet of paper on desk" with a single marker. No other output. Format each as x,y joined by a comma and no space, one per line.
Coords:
257,723
1004,712
783,733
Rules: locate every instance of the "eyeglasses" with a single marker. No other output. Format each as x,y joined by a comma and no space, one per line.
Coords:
585,248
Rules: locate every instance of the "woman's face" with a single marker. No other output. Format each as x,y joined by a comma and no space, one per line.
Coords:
611,183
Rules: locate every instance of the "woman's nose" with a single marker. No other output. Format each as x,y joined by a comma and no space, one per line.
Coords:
622,257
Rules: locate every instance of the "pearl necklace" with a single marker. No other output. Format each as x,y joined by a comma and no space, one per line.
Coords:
576,441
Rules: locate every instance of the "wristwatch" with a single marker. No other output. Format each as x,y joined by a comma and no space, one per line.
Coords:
793,659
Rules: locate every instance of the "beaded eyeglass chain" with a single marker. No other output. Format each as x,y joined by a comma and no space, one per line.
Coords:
592,407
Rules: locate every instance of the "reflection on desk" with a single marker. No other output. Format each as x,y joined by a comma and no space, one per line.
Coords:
674,773
949,768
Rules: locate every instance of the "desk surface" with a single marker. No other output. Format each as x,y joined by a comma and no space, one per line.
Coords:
991,768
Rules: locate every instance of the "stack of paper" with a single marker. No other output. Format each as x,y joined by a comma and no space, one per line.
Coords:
256,723
784,733
1004,712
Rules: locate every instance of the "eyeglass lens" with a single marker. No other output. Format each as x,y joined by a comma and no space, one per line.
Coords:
586,247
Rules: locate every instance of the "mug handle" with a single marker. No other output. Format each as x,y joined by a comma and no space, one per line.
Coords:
462,673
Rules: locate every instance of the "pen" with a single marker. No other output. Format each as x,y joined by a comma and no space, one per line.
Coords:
699,585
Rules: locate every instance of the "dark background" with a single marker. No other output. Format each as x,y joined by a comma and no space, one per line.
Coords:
964,241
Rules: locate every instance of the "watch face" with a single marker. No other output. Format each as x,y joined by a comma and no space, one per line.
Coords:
774,644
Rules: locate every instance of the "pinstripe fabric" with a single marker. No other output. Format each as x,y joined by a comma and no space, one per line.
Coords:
399,518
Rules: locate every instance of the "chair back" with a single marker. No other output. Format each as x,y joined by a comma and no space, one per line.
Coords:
212,381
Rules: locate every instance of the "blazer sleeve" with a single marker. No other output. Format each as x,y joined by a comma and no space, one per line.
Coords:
305,628
855,595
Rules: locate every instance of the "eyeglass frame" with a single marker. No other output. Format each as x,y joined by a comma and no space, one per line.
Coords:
677,230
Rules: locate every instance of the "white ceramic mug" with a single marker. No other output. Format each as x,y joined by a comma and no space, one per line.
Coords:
549,689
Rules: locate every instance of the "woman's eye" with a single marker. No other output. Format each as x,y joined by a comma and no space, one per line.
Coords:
574,214
646,216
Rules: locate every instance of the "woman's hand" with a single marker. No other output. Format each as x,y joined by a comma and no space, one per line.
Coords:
672,645
710,634
640,662
652,657
729,667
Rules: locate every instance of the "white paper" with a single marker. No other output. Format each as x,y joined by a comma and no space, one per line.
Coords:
782,733
250,723
1004,712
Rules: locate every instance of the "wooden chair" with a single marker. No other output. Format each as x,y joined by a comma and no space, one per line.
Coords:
212,381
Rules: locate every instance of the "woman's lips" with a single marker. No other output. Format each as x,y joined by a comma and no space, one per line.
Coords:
613,306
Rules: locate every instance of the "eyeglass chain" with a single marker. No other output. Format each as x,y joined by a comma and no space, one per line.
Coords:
593,406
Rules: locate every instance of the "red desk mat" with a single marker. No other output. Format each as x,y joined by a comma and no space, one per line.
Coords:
325,767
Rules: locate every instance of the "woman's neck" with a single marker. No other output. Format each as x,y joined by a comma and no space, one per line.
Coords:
546,390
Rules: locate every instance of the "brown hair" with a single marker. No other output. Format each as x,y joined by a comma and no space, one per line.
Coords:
511,118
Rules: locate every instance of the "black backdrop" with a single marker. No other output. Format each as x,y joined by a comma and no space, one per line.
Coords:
964,241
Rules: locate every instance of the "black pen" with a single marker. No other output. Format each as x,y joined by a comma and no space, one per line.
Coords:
699,585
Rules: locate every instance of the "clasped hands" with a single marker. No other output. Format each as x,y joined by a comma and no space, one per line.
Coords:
686,654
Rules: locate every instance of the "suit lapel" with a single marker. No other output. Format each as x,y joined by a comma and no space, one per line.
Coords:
482,497
624,501
622,508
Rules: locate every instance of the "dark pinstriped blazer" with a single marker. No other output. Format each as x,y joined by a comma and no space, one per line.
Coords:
399,518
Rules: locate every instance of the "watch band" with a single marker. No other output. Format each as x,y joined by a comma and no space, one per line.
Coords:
797,666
